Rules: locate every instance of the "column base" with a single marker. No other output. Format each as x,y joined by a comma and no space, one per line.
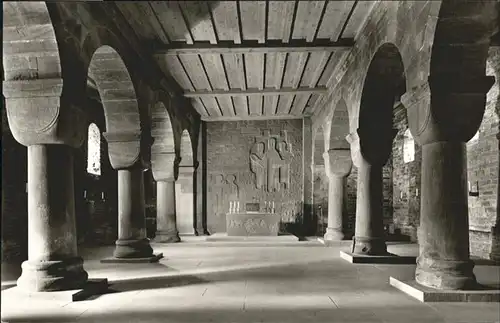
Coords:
114,260
367,246
133,249
425,294
166,237
54,275
450,275
388,258
333,235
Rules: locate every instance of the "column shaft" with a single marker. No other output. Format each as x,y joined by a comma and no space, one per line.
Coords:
132,241
369,232
334,230
53,262
444,261
166,226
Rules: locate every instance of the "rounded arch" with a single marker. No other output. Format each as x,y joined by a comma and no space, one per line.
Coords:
338,127
107,54
23,23
186,149
384,84
162,130
461,39
108,74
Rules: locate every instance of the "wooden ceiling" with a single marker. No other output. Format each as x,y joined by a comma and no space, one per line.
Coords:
240,60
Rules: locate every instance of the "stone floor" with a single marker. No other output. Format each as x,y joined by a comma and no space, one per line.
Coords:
250,282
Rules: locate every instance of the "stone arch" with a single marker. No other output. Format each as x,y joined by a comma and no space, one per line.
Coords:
458,64
162,130
29,22
186,149
108,74
384,84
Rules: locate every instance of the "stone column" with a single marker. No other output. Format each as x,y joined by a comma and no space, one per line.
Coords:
369,154
132,240
166,230
338,165
50,129
53,262
443,235
126,157
185,199
163,166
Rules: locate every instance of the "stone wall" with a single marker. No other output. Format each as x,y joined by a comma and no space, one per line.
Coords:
406,181
229,164
483,166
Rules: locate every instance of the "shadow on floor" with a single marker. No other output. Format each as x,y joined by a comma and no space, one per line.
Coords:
276,314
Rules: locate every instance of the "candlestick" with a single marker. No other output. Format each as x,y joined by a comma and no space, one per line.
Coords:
102,195
230,206
84,194
238,207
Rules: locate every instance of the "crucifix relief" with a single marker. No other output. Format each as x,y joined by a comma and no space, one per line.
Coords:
270,161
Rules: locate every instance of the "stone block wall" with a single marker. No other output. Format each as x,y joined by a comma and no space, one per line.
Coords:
483,167
229,169
406,181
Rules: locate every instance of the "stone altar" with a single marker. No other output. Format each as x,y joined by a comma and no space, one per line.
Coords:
252,224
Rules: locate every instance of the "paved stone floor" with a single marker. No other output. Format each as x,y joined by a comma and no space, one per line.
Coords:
251,282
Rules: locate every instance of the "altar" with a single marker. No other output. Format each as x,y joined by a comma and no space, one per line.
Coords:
252,224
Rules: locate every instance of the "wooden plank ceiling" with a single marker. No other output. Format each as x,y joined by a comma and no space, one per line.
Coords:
240,60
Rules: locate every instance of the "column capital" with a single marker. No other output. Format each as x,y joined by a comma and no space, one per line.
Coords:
447,107
369,148
124,149
37,114
338,162
164,165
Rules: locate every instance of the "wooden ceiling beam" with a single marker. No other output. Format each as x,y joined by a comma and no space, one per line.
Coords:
228,47
239,118
252,92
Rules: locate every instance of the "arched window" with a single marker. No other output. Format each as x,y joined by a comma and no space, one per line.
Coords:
408,147
94,150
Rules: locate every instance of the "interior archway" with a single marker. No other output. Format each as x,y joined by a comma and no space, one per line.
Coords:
108,74
383,87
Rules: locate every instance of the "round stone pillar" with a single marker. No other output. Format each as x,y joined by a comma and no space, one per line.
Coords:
132,240
53,263
444,257
442,123
166,226
338,166
369,154
165,166
185,200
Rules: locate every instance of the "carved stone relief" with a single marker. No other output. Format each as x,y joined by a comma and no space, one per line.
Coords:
270,158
